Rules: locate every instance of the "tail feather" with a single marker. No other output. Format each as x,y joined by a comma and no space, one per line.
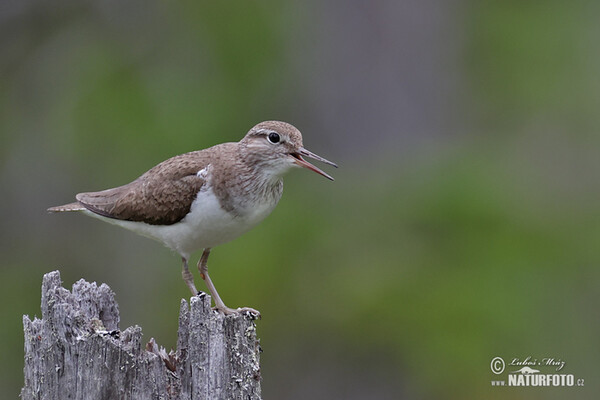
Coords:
77,206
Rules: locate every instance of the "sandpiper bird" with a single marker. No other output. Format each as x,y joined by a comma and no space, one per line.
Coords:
205,198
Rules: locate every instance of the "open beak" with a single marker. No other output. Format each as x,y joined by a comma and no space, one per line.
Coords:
303,163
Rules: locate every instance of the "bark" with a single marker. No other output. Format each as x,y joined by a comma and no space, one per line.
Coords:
76,351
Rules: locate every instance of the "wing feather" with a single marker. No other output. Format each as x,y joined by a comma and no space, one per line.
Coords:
162,196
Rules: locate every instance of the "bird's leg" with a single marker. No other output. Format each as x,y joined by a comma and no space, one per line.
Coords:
219,305
188,277
203,268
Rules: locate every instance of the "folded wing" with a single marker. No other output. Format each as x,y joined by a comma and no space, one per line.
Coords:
162,196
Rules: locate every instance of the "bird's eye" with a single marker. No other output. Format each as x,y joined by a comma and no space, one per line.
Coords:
274,137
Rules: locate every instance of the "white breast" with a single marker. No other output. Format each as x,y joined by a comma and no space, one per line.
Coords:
207,224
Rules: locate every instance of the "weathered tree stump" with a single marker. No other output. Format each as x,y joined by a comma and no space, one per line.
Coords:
76,351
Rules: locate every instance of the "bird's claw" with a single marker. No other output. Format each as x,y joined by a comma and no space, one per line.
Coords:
247,312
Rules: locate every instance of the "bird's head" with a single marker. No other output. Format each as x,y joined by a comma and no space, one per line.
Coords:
276,146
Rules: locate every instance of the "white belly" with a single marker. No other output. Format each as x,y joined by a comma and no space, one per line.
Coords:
207,225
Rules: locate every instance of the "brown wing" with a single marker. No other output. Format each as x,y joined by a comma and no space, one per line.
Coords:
162,196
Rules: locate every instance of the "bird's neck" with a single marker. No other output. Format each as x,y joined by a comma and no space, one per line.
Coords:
249,188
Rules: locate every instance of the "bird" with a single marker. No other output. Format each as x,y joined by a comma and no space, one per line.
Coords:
205,198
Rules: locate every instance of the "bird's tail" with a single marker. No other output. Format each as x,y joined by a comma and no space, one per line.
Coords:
77,206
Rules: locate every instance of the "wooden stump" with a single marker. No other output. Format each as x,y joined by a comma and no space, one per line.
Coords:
76,351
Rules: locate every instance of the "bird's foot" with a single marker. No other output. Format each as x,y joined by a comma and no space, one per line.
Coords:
247,312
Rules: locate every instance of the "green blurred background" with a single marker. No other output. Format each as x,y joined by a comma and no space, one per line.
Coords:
463,224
